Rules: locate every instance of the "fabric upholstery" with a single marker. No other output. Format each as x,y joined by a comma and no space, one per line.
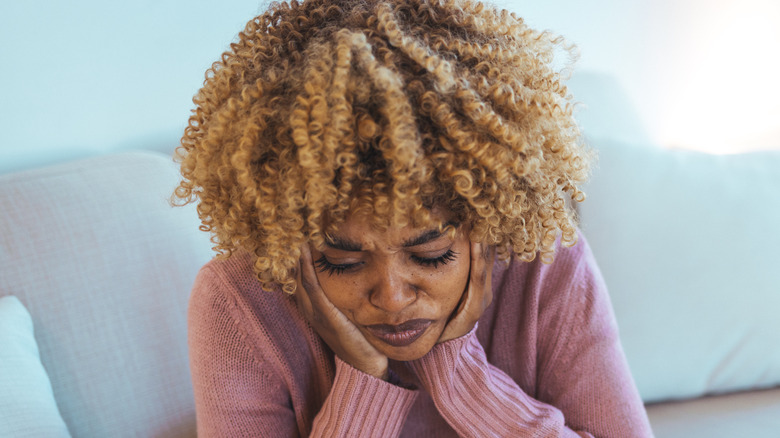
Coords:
688,246
105,266
745,414
27,406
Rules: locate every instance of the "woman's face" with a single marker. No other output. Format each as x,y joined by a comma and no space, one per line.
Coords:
399,287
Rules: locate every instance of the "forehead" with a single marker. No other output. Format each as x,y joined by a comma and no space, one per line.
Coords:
362,230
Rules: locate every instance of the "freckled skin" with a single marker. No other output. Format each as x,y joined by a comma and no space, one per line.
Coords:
385,282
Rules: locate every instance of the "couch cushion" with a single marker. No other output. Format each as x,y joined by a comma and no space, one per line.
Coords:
27,406
746,414
688,244
105,266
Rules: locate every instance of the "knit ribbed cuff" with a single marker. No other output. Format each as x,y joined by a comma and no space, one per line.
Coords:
362,405
478,399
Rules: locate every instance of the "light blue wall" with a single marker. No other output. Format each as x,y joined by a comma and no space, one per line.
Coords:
89,76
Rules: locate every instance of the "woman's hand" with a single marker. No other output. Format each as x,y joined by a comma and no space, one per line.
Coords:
478,294
341,335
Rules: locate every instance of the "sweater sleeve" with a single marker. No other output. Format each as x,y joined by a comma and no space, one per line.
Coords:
362,405
238,393
583,383
477,399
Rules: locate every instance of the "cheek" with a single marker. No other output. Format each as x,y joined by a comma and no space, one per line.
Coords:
342,292
460,277
450,283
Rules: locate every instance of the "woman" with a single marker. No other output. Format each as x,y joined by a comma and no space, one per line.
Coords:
386,183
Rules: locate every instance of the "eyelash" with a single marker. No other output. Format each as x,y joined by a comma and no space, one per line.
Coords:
331,268
325,266
436,261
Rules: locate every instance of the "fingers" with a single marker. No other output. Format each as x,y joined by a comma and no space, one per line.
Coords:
301,294
307,277
482,257
478,266
476,276
318,308
477,296
489,259
479,292
309,294
308,280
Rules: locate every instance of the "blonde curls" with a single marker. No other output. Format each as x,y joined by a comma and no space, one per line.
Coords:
327,107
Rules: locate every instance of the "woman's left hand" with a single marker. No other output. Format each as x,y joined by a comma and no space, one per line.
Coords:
478,294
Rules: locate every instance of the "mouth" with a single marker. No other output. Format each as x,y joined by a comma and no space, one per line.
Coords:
400,335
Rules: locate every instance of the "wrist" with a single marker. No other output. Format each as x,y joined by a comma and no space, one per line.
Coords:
379,369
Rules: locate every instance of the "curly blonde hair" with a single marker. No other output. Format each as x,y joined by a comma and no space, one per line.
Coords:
328,107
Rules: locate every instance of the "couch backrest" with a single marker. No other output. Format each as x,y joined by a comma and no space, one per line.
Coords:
105,265
689,246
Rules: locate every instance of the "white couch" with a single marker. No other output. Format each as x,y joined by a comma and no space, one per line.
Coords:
104,265
688,244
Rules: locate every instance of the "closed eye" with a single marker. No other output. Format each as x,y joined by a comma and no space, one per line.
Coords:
323,265
434,262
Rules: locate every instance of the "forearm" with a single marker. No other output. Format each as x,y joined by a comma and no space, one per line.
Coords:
361,405
478,399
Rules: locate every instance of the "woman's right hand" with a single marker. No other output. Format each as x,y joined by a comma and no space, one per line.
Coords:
341,335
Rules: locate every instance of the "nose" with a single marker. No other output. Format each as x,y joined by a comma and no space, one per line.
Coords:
393,290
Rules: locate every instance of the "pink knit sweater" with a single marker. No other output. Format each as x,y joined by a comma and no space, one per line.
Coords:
544,361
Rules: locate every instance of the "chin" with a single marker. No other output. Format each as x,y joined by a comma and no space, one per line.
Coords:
404,356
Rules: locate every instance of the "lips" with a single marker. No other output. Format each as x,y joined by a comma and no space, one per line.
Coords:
400,335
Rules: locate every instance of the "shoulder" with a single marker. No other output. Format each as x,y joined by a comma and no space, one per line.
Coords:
573,267
569,297
554,302
227,289
234,272
535,305
234,278
549,300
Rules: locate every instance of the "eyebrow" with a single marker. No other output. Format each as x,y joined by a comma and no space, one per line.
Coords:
429,235
344,244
